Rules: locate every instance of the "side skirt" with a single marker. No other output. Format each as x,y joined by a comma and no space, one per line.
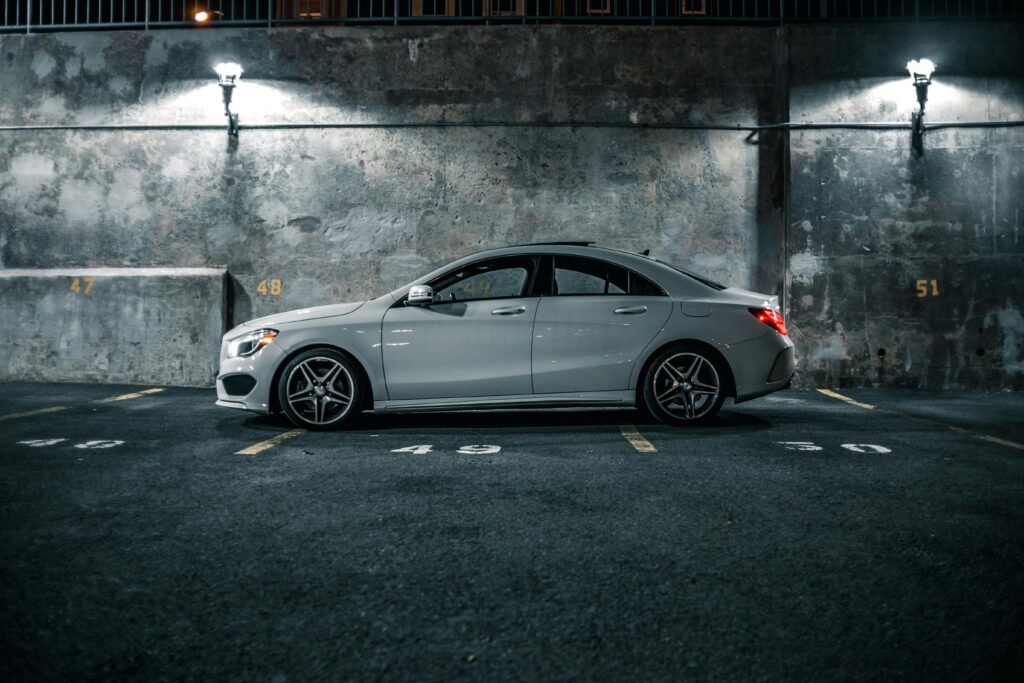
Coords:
596,399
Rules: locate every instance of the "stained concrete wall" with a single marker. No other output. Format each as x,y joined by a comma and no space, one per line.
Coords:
112,325
347,214
869,219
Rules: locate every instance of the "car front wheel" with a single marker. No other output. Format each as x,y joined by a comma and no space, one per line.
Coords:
319,389
684,385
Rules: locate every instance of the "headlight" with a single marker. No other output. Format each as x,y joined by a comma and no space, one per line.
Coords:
248,344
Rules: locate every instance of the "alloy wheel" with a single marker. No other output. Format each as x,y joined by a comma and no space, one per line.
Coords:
320,390
686,385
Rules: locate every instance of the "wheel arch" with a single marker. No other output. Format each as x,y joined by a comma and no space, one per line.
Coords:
366,391
729,379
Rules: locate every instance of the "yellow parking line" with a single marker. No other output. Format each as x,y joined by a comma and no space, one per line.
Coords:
125,397
1002,442
270,443
29,413
847,399
637,440
952,428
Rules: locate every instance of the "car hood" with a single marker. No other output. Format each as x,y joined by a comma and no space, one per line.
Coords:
302,314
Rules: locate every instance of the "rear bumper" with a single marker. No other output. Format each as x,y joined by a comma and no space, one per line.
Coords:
761,366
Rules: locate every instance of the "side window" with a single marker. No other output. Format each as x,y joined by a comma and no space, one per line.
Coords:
641,286
494,279
575,275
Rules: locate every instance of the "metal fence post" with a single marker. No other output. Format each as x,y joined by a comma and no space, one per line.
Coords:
28,17
270,12
396,12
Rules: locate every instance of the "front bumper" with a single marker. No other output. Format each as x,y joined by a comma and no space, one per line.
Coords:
237,375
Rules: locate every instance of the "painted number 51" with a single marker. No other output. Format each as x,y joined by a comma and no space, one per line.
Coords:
923,288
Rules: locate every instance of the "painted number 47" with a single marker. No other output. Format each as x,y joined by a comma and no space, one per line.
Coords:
77,286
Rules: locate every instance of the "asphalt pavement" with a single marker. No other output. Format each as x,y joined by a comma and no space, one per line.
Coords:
866,534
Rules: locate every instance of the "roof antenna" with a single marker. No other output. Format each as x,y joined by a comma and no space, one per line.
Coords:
645,252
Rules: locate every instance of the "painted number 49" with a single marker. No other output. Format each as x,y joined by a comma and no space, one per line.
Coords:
855,447
474,449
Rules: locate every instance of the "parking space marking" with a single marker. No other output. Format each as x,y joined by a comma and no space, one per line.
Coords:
125,397
270,443
636,439
930,421
1002,442
799,445
847,399
30,413
39,443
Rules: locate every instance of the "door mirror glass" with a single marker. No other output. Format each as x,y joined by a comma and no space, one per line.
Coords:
420,295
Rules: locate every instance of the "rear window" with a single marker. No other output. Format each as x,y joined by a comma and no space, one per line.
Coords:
576,275
703,280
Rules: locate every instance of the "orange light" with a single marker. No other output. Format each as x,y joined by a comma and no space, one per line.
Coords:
202,16
267,338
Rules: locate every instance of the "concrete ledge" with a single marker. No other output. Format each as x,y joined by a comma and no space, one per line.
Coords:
112,325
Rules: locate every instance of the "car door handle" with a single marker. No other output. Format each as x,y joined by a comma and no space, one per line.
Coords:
509,310
631,310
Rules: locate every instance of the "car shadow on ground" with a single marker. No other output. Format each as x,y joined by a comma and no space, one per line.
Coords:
520,419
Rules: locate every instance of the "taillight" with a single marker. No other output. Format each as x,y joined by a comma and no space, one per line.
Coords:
770,318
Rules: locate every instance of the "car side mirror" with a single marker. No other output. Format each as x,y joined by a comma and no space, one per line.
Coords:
420,295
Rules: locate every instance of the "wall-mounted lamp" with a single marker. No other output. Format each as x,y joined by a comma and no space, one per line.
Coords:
228,75
921,76
202,16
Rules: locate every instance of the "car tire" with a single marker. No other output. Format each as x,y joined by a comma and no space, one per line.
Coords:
320,389
684,385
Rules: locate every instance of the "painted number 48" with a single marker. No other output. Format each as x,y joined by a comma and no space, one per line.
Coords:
273,288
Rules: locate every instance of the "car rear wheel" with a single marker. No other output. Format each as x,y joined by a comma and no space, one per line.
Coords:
684,385
319,389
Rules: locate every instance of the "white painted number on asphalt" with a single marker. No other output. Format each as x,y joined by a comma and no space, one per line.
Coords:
865,448
855,447
799,445
479,450
36,443
99,444
424,449
415,450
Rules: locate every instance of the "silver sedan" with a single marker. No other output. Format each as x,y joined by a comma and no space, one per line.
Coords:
543,325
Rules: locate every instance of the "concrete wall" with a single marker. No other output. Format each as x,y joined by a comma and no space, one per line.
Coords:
346,214
112,325
869,218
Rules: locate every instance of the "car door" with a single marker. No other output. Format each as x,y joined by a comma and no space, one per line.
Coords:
593,324
475,340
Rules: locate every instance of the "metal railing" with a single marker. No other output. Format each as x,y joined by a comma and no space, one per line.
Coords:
60,15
